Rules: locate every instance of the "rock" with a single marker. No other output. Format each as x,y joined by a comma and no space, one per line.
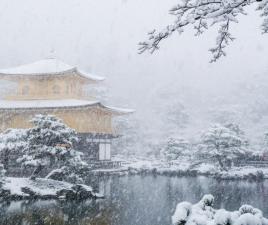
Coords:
24,188
56,174
4,194
28,191
67,194
83,191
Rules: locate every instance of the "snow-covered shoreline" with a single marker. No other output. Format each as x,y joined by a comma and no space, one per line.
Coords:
182,168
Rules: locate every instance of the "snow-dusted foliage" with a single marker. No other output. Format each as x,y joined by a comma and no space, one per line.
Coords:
176,148
263,7
223,144
50,142
203,213
12,142
203,14
2,174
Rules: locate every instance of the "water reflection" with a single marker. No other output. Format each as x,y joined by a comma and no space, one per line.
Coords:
139,200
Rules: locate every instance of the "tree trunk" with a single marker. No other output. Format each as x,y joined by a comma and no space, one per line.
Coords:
37,170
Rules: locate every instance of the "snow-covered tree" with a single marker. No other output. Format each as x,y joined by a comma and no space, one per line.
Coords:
223,144
2,174
203,14
50,142
176,148
12,142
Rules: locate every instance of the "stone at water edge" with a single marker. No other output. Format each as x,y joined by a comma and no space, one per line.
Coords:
24,188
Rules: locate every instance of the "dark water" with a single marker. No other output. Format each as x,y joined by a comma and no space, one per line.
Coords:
136,200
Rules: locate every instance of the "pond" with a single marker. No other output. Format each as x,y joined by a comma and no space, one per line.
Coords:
136,200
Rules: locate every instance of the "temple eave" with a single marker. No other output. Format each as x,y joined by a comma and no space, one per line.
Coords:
53,105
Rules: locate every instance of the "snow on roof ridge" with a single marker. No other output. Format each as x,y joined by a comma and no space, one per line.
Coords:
56,103
123,110
46,66
89,75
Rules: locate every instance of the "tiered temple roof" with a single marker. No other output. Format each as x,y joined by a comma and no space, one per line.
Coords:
54,104
51,68
47,67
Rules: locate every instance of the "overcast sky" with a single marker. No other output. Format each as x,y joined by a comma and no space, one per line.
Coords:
102,36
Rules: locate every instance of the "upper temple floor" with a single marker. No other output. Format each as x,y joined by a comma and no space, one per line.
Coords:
48,79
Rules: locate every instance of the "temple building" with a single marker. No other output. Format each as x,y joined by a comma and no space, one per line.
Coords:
50,86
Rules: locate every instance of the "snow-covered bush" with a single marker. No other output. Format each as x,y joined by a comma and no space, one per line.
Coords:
203,213
175,148
50,143
223,144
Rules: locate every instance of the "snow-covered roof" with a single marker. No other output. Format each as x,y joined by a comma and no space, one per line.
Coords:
49,66
50,104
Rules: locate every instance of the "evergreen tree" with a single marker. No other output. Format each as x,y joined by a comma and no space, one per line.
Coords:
50,143
176,148
224,145
12,143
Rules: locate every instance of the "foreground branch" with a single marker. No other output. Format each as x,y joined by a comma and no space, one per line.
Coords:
200,13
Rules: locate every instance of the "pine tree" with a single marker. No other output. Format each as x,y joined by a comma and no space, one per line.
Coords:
176,148
50,142
224,145
12,143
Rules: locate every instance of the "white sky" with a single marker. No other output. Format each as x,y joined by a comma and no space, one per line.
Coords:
102,36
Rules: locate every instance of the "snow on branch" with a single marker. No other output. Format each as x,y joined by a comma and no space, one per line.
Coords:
222,41
263,6
201,14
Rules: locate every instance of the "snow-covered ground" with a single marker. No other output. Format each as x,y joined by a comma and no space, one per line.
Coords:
181,168
25,188
203,213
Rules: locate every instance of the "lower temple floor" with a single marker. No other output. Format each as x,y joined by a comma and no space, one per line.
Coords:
95,147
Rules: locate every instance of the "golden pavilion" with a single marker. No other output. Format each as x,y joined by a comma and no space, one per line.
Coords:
50,86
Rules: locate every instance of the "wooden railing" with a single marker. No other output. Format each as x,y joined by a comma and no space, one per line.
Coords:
105,164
